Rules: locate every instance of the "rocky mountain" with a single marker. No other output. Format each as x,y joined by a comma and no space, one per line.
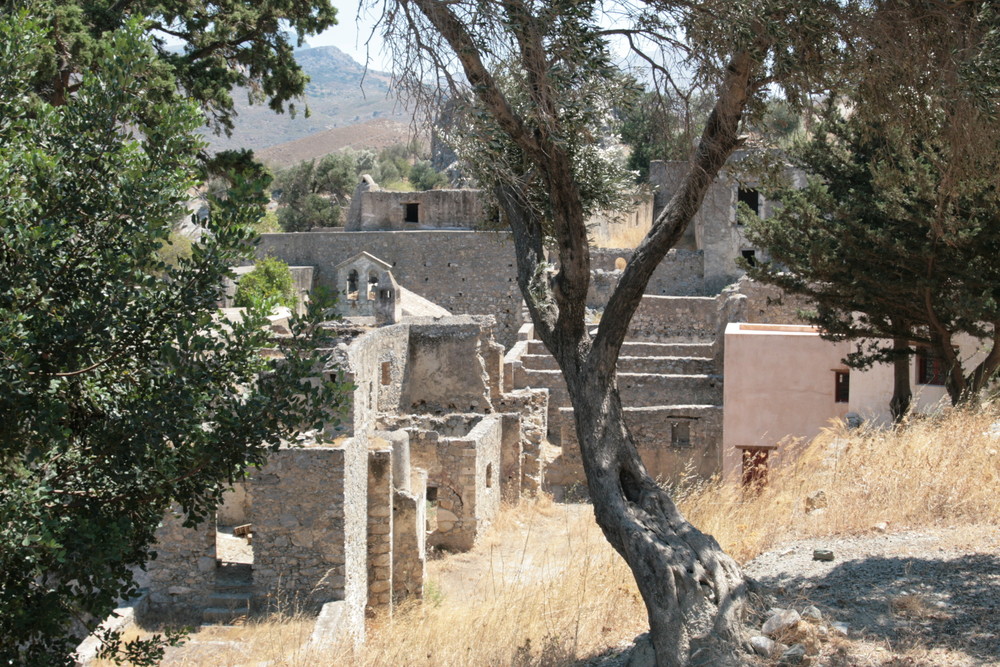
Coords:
341,93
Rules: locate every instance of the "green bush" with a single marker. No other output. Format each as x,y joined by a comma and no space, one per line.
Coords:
270,283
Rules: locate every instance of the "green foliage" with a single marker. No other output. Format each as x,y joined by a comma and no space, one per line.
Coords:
174,249
423,176
239,44
269,284
659,127
121,391
883,240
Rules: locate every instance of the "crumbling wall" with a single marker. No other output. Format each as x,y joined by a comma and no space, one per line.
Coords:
445,370
461,271
380,531
675,442
768,304
674,319
434,209
308,510
182,575
532,406
461,454
409,552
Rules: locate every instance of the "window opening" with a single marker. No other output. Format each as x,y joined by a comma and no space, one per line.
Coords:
489,475
411,212
750,256
352,285
372,285
930,367
842,386
680,434
751,198
386,372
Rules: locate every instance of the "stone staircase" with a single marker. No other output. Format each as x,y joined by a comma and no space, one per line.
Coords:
671,389
232,597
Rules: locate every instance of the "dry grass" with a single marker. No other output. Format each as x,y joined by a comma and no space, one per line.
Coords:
936,471
544,588
622,236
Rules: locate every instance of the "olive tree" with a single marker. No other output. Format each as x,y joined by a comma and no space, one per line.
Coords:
535,77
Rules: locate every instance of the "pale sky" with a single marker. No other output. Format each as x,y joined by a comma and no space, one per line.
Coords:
350,34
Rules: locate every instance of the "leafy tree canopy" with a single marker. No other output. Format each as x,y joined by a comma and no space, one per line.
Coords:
121,392
238,43
270,283
897,233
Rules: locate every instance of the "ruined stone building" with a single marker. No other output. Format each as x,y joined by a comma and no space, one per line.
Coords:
455,406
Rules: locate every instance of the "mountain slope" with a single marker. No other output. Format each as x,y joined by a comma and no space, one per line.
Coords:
340,93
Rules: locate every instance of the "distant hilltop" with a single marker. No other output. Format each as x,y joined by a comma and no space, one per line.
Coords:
340,93
373,134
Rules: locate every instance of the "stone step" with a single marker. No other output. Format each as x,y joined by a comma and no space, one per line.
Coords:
643,349
664,365
637,389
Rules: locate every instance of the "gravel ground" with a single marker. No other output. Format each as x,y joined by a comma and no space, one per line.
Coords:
928,598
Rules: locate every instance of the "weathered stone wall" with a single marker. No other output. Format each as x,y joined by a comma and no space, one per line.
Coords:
380,521
666,319
182,575
605,227
679,274
675,442
409,550
445,369
460,452
382,210
462,271
308,507
767,304
532,406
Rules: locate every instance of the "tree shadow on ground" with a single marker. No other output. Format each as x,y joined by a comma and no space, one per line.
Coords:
952,602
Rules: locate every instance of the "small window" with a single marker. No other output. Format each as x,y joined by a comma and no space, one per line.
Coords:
751,198
352,285
680,434
432,494
842,387
411,212
930,367
755,467
386,372
750,256
489,475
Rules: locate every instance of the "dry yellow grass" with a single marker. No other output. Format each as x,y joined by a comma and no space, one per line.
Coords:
941,470
544,588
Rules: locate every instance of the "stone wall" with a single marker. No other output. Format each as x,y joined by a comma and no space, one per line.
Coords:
409,551
383,210
445,369
308,507
182,575
461,271
461,454
532,406
767,304
380,514
676,443
666,319
679,274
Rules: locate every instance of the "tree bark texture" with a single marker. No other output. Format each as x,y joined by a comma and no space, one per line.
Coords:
693,592
902,395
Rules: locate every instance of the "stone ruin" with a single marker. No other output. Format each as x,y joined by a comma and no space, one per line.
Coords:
433,441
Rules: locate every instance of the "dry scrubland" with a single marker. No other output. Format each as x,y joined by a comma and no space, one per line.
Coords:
543,588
